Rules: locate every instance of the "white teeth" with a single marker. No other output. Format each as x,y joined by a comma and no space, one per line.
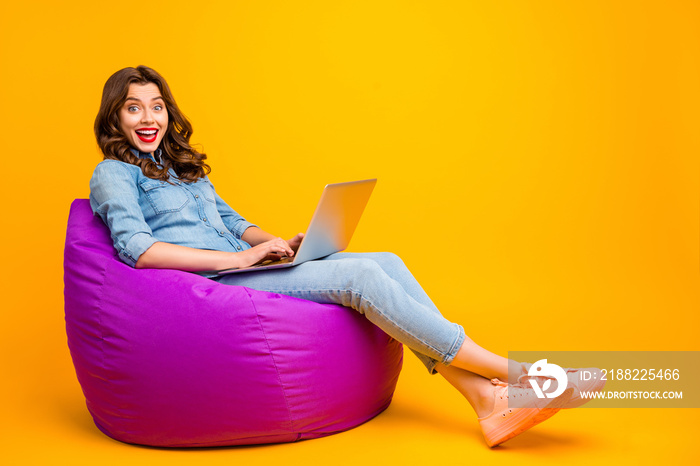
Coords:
146,132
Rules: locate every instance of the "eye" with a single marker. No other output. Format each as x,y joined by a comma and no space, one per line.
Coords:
158,108
132,108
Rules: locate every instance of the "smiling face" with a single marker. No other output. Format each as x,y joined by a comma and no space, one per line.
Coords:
143,118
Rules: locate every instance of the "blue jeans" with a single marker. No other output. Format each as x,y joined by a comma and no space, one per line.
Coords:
377,285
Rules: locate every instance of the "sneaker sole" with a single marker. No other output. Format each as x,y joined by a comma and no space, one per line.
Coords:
526,419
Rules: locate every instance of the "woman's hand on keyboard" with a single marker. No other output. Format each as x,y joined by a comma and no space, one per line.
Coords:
276,247
295,242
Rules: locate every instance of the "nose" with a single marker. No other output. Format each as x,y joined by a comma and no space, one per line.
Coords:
146,117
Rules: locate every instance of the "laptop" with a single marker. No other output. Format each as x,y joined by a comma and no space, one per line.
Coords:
332,225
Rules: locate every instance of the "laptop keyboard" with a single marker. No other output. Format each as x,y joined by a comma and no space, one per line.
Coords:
283,260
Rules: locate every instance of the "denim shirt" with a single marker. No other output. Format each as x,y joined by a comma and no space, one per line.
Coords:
140,211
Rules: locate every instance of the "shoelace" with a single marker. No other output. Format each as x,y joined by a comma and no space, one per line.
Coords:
523,378
517,390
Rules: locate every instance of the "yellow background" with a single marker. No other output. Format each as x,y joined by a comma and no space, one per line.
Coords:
538,171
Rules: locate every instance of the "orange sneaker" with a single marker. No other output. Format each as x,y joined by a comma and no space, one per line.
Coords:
580,379
517,409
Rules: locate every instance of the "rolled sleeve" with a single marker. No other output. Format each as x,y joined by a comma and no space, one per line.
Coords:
137,245
114,197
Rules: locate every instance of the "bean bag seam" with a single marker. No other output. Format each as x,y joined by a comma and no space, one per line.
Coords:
274,362
100,312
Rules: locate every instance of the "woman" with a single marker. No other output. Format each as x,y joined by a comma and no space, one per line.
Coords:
153,193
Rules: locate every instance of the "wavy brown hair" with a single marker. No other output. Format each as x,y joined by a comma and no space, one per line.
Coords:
177,153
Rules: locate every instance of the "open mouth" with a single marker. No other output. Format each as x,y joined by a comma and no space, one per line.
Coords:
147,134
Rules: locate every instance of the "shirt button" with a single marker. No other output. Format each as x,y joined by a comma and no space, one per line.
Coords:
238,247
205,219
196,196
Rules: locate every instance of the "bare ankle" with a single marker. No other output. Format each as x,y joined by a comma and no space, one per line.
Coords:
478,391
483,403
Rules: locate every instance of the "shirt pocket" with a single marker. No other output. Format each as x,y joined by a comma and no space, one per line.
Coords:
164,197
206,189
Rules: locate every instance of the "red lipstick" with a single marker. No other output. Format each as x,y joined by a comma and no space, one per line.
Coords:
147,135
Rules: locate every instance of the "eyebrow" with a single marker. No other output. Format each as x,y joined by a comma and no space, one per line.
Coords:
139,100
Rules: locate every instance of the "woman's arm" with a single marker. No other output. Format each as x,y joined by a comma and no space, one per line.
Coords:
114,196
255,236
172,256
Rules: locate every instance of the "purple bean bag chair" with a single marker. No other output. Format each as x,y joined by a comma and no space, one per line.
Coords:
169,358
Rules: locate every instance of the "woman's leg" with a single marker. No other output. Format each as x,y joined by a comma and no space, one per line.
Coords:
395,268
473,358
390,300
476,389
